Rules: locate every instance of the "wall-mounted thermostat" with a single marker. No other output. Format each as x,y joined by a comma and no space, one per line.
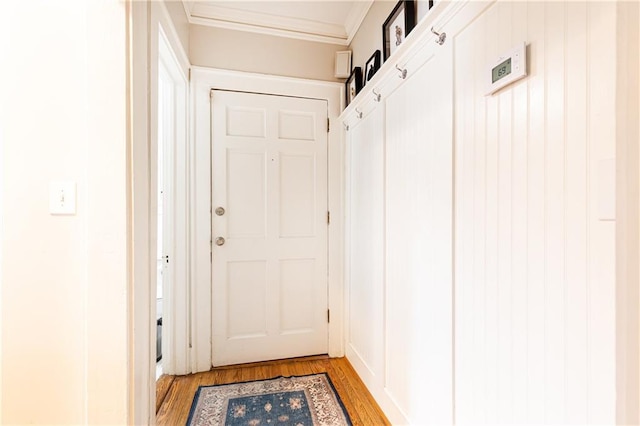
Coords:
506,69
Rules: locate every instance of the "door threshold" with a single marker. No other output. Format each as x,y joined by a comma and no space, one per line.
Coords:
272,362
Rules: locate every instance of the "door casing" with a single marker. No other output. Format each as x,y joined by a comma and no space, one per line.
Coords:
202,81
175,306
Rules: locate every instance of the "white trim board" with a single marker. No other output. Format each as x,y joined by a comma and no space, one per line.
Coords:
175,335
141,310
145,19
203,80
177,49
202,13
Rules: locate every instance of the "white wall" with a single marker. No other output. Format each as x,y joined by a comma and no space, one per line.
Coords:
419,242
535,276
64,278
365,250
632,52
628,203
535,222
262,54
400,213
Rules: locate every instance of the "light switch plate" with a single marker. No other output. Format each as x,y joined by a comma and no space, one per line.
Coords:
62,197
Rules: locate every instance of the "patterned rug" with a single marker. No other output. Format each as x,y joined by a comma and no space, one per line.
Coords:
283,401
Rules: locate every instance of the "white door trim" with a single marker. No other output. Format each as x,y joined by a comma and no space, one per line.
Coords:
175,303
202,81
144,19
141,389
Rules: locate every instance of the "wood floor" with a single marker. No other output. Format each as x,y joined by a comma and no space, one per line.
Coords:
175,393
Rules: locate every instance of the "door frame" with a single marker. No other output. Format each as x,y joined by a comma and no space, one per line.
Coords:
175,302
202,81
143,20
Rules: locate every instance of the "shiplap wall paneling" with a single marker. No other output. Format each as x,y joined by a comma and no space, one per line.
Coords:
419,242
535,288
365,183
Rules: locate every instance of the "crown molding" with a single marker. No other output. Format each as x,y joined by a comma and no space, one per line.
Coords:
356,17
187,5
267,31
230,18
202,13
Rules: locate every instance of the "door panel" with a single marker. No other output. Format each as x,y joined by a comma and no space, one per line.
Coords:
249,122
246,287
297,278
246,189
269,158
297,196
295,125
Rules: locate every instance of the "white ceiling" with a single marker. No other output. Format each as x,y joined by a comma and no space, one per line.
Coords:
328,21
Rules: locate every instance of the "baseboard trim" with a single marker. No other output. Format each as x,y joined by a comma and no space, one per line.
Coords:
375,385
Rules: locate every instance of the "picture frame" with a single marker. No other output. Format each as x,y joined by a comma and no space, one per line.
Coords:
371,67
353,85
397,26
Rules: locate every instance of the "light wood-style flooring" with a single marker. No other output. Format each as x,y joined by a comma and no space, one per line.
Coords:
175,393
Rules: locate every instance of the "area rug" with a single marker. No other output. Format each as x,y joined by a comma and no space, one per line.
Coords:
296,401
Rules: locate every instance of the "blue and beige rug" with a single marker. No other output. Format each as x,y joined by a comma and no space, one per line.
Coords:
283,401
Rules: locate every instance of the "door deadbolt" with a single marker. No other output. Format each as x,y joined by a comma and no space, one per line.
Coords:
219,241
220,211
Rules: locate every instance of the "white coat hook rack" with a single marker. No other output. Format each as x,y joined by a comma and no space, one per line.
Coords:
441,36
403,72
358,113
376,96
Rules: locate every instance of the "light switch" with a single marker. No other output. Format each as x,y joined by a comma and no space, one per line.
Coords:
62,197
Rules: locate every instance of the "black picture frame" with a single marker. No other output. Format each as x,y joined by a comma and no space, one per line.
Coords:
398,25
371,67
353,85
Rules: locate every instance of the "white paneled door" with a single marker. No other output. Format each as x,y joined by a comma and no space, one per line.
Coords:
269,227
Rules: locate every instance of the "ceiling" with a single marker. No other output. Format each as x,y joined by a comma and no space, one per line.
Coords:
328,21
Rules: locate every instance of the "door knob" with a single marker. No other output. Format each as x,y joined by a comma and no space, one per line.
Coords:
219,241
220,211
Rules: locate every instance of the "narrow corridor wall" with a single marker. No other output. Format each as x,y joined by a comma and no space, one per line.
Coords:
535,218
64,278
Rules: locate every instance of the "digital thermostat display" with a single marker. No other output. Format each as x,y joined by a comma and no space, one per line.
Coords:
501,71
507,68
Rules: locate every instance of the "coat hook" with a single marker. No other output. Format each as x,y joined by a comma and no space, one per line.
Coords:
346,127
441,37
403,72
359,113
376,96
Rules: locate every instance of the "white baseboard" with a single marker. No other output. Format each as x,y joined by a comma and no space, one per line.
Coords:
375,385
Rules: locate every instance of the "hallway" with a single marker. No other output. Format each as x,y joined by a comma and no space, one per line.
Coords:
177,399
478,197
